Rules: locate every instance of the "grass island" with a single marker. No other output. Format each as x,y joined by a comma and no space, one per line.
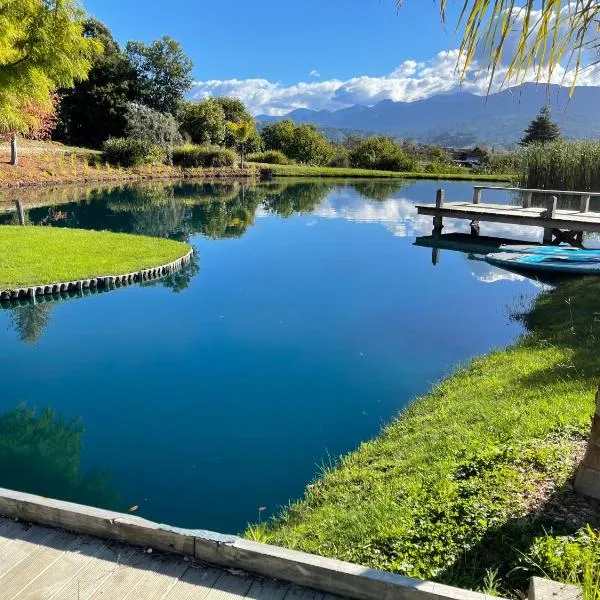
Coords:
45,255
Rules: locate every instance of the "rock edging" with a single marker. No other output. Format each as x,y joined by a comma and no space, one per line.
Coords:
103,281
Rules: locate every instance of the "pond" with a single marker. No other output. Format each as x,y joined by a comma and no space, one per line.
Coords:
308,319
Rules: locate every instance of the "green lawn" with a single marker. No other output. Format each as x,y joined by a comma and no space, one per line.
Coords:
40,255
471,484
305,171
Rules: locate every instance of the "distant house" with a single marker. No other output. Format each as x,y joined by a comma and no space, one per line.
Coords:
468,157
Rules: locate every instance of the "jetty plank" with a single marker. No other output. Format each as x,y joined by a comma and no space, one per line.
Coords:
194,584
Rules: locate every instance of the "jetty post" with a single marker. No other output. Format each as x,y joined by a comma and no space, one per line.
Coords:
20,212
438,220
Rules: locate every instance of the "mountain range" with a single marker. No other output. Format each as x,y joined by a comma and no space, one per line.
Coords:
462,118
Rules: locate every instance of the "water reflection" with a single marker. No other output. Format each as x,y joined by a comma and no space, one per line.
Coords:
40,453
307,320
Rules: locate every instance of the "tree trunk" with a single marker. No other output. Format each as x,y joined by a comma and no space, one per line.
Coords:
242,156
587,481
14,154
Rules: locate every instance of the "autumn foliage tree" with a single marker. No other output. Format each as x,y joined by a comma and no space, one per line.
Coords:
42,47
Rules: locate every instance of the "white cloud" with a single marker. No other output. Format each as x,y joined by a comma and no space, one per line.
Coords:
314,73
411,80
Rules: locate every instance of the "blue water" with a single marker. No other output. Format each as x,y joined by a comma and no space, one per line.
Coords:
309,320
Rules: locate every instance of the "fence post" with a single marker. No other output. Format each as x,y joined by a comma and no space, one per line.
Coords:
20,212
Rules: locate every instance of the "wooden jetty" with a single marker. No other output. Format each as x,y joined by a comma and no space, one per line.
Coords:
559,225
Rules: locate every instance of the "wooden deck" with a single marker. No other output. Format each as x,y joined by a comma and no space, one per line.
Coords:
41,563
572,220
559,225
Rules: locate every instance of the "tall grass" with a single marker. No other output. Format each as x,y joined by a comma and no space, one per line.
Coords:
561,165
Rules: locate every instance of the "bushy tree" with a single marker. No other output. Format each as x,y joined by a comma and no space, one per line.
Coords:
380,153
42,47
204,122
163,73
302,143
242,131
148,125
541,130
235,111
95,109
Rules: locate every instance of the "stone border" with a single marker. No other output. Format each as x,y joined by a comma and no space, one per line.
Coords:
103,281
324,574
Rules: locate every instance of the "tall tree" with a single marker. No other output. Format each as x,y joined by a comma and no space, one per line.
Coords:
95,109
163,71
242,131
541,130
42,47
236,111
204,121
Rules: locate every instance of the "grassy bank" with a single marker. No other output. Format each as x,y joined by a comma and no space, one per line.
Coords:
306,171
49,163
471,485
40,255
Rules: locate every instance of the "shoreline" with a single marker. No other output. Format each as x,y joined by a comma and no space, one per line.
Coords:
471,483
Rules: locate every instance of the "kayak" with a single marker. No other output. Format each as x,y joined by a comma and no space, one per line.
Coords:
568,263
562,252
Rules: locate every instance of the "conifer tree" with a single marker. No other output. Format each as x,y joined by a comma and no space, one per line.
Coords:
541,130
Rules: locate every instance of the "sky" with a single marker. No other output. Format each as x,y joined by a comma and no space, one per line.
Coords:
278,55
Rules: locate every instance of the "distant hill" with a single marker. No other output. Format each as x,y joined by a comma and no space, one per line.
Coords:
462,119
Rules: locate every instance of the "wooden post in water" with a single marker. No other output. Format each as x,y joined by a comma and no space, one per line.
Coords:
527,199
587,481
476,195
584,206
20,212
549,214
438,221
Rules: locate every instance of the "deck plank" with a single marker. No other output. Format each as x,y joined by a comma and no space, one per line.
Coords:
94,573
194,584
26,540
264,589
230,587
164,573
62,571
25,572
125,577
300,593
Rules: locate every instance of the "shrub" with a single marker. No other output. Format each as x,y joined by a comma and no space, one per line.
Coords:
440,168
203,156
273,157
340,158
129,152
302,143
381,153
152,126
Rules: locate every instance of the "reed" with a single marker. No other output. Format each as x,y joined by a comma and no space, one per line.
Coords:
561,165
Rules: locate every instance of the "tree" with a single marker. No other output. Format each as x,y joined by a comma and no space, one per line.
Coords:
95,108
163,73
236,111
42,47
242,131
204,122
541,130
303,143
380,153
159,129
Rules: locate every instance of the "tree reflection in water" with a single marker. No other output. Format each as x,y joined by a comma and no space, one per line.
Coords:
40,453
